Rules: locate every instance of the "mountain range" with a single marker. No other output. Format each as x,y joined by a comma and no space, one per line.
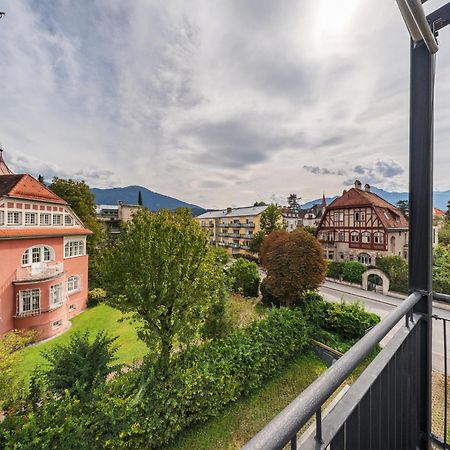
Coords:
440,198
151,200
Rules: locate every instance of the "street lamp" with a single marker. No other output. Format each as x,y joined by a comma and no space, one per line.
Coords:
423,31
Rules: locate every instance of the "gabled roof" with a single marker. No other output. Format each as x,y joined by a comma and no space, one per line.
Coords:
389,215
438,212
26,187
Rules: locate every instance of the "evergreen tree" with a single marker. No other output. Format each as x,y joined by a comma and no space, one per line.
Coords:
41,179
293,202
403,206
140,198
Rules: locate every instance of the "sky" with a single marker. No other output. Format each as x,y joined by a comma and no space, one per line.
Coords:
215,102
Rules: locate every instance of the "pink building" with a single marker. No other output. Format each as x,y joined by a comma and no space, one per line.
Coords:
43,260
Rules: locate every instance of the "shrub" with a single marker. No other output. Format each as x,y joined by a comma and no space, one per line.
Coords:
396,268
352,271
96,296
267,298
139,409
81,364
350,321
441,270
244,277
335,269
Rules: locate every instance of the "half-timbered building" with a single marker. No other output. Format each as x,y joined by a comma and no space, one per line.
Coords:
359,225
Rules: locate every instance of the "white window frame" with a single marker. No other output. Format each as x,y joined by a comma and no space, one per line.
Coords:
378,238
31,218
2,217
57,324
365,237
56,295
73,284
58,222
74,248
68,220
72,307
45,219
14,214
33,296
27,256
354,236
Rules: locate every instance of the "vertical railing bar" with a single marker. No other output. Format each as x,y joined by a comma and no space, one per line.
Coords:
294,442
444,322
319,425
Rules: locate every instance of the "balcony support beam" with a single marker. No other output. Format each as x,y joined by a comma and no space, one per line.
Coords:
421,215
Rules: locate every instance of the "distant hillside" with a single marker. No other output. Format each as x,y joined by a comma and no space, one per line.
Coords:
151,200
440,198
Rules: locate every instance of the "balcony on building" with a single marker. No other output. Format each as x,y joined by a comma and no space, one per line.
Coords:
41,272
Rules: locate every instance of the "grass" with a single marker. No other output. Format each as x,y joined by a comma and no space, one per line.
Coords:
100,317
243,419
239,312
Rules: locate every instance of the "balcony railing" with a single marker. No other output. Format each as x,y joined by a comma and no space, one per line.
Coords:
44,271
381,410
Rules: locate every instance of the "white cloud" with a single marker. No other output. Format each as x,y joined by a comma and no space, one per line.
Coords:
213,102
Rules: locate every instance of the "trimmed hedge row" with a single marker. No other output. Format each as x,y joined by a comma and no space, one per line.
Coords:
350,321
139,410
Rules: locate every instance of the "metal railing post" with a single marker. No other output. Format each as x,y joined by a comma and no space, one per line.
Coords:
421,216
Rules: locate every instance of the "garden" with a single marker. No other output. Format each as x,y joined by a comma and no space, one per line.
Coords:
182,352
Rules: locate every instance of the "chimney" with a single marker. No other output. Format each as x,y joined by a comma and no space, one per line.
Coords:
358,184
229,209
367,187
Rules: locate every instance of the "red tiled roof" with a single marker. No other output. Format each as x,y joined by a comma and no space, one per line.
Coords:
27,187
8,233
438,212
7,182
389,215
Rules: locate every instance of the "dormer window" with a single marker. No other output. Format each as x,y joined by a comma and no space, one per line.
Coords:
31,218
14,218
68,221
57,219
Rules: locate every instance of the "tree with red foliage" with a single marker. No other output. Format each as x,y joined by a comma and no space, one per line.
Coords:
294,265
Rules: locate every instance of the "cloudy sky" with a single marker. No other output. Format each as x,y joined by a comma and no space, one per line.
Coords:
215,102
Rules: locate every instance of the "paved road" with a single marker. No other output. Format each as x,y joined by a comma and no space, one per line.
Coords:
382,305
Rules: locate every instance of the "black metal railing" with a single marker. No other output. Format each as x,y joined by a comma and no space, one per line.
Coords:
381,410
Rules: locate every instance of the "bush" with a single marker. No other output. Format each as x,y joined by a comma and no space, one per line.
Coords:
96,296
335,269
441,270
396,268
140,410
244,277
349,321
81,364
267,298
352,271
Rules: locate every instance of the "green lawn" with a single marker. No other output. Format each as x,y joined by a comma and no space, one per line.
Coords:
243,419
101,317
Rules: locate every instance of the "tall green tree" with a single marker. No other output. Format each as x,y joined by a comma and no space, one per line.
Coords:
271,219
161,272
80,198
140,198
403,206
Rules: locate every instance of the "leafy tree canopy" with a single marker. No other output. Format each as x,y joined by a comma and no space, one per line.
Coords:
271,219
161,272
294,265
259,204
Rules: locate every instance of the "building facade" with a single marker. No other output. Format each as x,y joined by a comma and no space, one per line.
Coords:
291,219
232,228
43,260
111,216
360,225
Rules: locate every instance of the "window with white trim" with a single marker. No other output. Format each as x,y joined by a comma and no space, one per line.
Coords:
56,298
57,219
45,219
2,218
360,216
57,324
31,218
37,255
365,237
378,238
29,301
73,248
339,216
73,284
14,218
354,236
68,220
72,307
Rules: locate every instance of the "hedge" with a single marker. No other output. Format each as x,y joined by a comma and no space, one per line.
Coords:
139,410
350,271
350,321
